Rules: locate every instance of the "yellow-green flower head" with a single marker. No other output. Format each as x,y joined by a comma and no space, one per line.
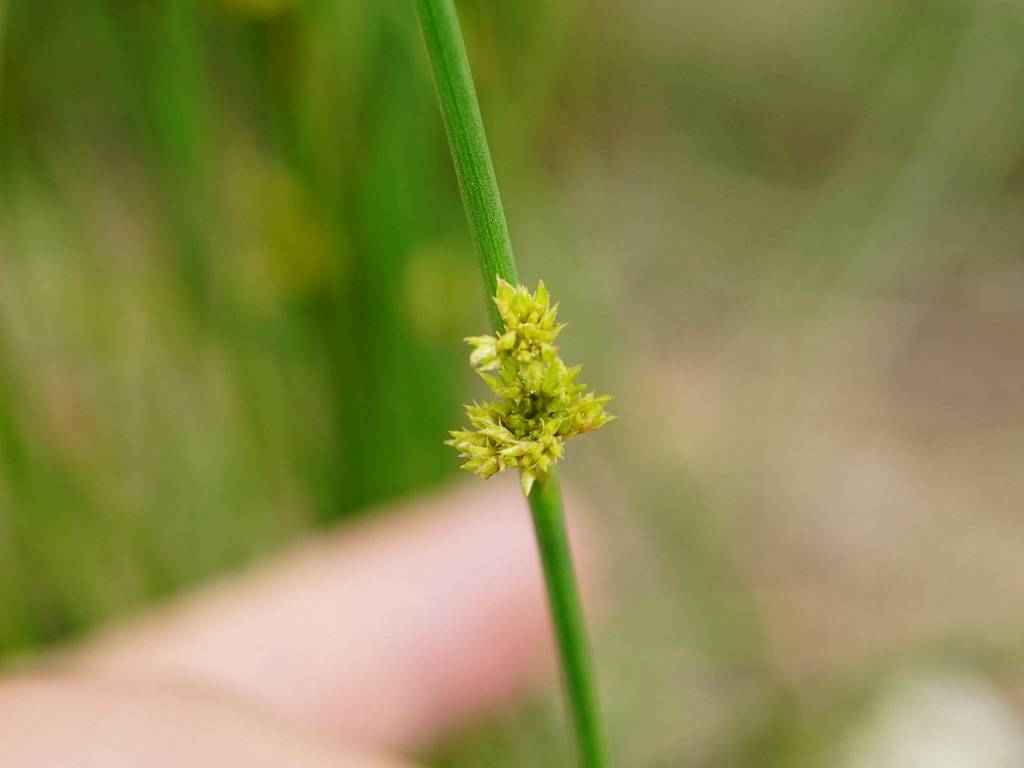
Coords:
541,404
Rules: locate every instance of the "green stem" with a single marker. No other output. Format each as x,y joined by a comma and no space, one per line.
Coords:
479,189
567,617
3,41
468,142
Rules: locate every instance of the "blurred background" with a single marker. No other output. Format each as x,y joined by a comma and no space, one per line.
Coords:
786,236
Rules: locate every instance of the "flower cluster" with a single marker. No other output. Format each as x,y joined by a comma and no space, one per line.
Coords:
541,404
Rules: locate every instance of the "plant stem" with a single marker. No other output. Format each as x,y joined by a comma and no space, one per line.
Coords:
468,142
479,189
3,41
567,617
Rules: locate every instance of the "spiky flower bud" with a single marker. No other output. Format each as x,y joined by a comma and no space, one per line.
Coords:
541,404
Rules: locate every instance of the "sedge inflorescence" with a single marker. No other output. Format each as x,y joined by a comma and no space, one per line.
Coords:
541,404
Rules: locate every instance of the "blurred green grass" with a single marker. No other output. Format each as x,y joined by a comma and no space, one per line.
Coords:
206,214
234,279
